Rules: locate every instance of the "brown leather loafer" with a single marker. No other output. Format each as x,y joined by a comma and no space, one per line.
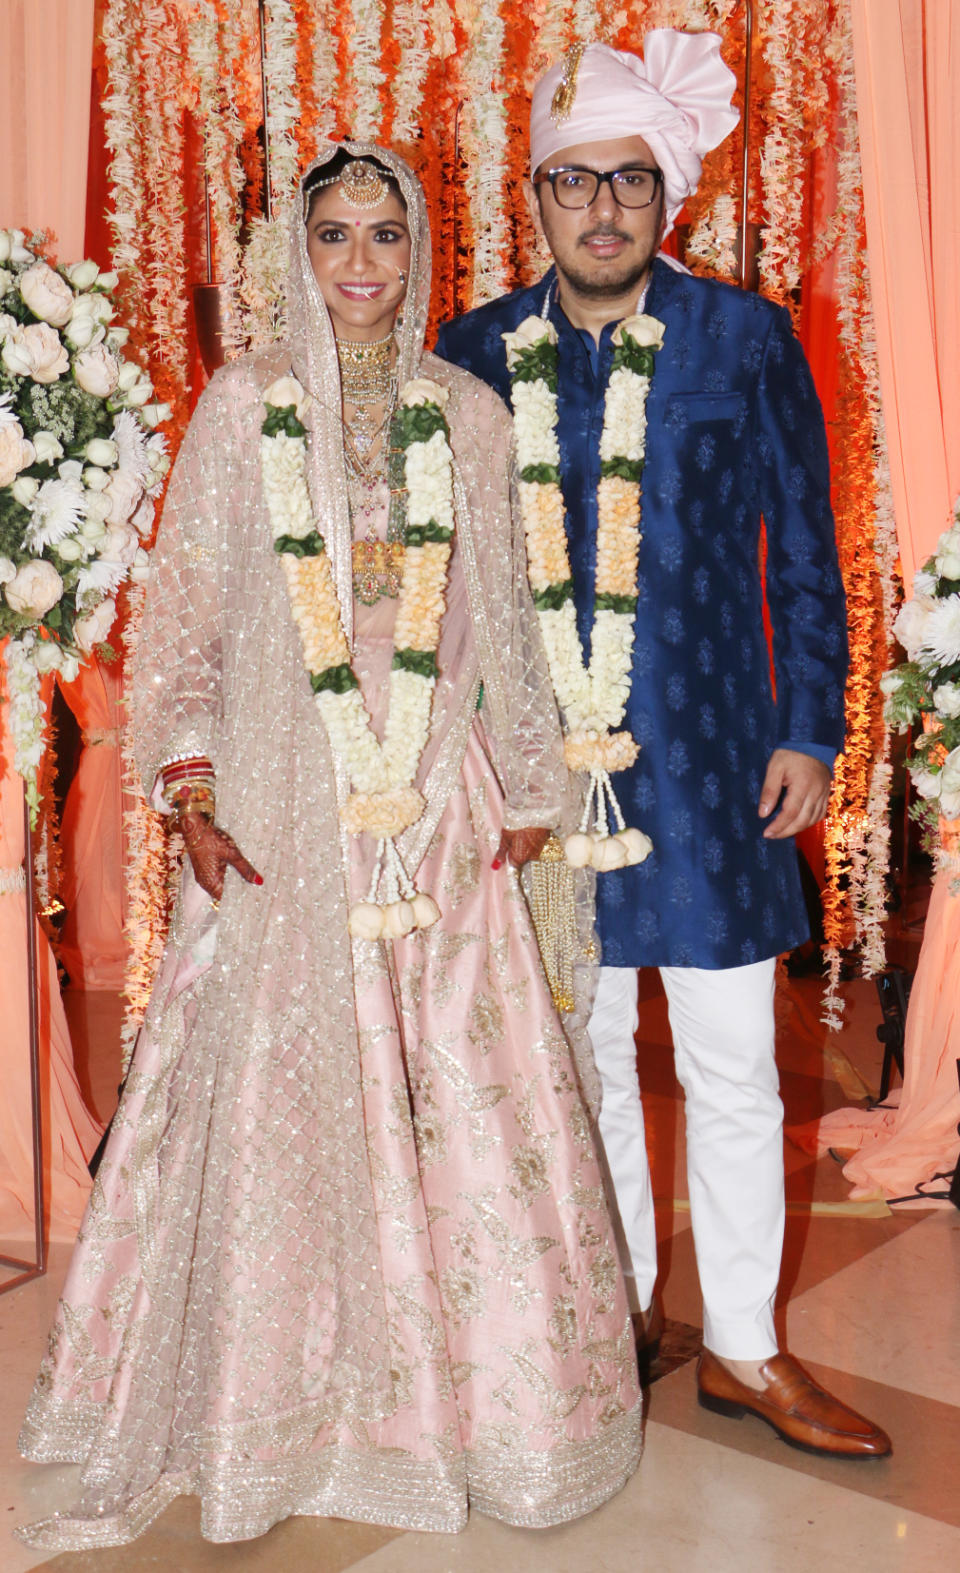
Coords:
794,1405
647,1333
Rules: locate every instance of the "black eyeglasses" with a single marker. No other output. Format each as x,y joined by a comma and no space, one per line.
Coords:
632,187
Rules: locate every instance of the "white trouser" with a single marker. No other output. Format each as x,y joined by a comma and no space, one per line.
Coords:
723,1040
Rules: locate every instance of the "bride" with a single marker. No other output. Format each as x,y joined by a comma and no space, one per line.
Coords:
347,1253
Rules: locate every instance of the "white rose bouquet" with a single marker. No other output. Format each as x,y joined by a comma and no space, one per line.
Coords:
927,686
79,466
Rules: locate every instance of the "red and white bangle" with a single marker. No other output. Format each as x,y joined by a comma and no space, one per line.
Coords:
189,785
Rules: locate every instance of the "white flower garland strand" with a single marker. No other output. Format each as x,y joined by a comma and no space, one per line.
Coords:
213,63
592,699
121,134
485,151
26,714
365,48
323,51
410,29
383,800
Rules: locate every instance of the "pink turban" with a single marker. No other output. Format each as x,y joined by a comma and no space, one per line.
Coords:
677,98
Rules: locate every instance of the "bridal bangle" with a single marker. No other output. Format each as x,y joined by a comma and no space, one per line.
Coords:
189,786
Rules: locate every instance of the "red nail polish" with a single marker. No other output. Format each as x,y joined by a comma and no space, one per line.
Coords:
258,879
497,863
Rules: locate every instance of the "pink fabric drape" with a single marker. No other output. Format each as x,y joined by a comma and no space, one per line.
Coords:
907,57
70,1133
92,946
46,53
894,1150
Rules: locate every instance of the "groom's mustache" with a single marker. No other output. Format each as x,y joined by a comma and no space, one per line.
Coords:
604,232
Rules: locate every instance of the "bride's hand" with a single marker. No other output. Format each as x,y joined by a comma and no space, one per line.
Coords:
520,846
211,850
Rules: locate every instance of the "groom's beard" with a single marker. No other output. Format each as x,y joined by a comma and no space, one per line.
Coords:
597,280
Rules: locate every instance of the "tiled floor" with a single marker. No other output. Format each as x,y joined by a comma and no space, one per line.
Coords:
871,1301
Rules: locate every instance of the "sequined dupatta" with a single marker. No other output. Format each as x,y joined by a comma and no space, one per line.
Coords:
314,356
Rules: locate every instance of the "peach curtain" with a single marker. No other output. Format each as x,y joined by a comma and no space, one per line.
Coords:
70,1132
92,944
907,62
46,55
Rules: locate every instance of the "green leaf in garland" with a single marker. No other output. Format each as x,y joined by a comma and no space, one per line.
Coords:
536,363
607,602
416,423
310,546
553,597
627,469
542,474
418,534
638,358
335,680
422,662
283,420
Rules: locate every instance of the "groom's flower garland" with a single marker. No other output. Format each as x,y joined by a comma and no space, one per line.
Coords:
383,799
592,699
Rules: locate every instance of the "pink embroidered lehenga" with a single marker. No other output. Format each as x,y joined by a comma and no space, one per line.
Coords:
348,1252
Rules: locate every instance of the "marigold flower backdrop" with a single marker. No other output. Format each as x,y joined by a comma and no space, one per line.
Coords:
447,82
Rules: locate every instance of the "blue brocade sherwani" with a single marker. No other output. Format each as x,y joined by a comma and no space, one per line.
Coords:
735,431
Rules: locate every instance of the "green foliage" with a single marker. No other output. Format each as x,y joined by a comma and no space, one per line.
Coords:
417,534
416,423
543,474
536,363
338,679
553,597
309,546
422,662
627,469
607,602
285,420
638,358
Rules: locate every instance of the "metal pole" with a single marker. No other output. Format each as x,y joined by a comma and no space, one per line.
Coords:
745,176
38,1266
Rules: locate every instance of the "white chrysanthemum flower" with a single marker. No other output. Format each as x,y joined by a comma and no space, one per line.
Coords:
57,511
910,626
132,453
941,631
99,578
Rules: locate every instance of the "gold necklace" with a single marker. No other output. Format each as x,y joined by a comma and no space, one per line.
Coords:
367,373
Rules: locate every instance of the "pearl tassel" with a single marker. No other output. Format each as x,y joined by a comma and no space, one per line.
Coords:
598,848
393,906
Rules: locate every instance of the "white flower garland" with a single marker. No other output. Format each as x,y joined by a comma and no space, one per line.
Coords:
485,151
410,31
365,35
383,800
593,699
26,714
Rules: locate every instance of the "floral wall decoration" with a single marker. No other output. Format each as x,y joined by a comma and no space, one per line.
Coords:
447,83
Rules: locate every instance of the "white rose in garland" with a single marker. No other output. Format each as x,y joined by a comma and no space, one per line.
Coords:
383,800
75,466
592,699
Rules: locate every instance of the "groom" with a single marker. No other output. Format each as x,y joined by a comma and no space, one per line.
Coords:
731,765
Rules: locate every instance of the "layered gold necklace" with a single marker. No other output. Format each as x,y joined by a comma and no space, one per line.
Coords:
368,378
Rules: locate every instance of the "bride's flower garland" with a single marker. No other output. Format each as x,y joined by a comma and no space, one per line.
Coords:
383,800
592,699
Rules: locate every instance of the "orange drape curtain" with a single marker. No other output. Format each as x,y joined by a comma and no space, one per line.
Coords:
46,49
907,63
